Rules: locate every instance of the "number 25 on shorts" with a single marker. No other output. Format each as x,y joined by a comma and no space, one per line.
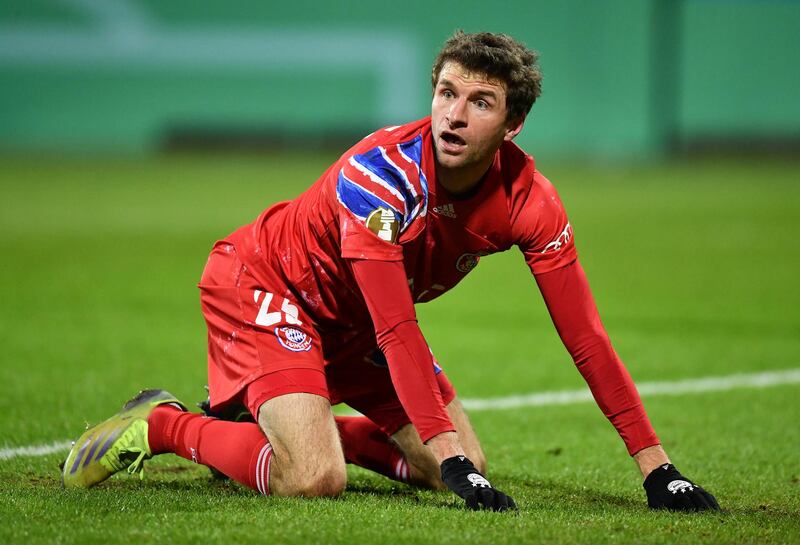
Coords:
266,318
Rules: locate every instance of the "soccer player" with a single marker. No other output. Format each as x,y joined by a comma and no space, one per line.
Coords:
312,304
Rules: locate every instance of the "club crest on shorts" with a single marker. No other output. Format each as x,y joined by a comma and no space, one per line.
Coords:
293,339
383,223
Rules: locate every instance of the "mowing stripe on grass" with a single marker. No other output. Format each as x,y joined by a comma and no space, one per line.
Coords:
678,387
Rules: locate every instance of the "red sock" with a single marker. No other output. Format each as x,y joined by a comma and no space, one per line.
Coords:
365,445
237,449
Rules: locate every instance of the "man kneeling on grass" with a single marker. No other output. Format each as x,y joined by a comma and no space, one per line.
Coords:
312,304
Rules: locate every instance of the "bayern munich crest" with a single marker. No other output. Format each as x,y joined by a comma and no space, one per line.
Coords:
293,339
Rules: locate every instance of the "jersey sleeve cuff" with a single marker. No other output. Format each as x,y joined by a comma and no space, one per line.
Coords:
426,433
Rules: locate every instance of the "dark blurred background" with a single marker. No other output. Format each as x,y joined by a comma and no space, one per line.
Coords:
624,79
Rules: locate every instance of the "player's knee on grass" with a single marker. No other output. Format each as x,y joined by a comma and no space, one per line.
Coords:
315,482
307,457
297,474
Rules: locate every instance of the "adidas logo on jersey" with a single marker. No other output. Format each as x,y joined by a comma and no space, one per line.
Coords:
445,210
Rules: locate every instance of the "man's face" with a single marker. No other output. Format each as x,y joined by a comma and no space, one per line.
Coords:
468,116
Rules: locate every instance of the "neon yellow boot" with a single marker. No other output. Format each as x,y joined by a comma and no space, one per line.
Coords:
118,443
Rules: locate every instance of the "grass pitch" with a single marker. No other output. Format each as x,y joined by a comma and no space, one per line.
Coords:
694,268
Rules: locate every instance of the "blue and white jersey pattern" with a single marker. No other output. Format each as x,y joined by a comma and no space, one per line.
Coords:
388,177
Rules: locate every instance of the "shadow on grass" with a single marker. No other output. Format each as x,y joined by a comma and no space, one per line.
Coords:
532,494
549,493
539,495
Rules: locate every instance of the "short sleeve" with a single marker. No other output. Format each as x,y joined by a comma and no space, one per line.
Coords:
382,196
542,230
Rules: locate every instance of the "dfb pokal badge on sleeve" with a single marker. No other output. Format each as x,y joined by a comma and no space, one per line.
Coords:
383,223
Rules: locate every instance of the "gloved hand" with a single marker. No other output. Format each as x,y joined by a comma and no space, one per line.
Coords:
460,476
667,489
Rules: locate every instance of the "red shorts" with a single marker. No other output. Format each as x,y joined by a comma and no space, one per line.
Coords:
262,345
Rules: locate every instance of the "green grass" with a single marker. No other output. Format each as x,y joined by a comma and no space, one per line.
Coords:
694,267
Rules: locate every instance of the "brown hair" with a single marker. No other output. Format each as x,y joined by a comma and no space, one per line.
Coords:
499,57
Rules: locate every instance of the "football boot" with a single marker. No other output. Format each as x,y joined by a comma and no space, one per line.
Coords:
116,444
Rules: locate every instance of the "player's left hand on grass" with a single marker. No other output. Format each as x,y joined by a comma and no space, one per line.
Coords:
667,489
460,476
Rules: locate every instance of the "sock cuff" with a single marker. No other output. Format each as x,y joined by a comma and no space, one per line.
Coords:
259,468
401,470
161,428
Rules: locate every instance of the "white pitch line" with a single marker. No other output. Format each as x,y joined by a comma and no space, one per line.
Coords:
646,389
567,397
34,450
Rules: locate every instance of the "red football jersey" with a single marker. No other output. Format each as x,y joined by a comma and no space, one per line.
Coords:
440,239
381,201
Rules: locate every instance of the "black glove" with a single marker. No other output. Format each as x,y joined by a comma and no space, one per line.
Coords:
461,477
667,489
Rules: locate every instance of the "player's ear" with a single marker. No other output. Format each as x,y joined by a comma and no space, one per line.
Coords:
513,127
